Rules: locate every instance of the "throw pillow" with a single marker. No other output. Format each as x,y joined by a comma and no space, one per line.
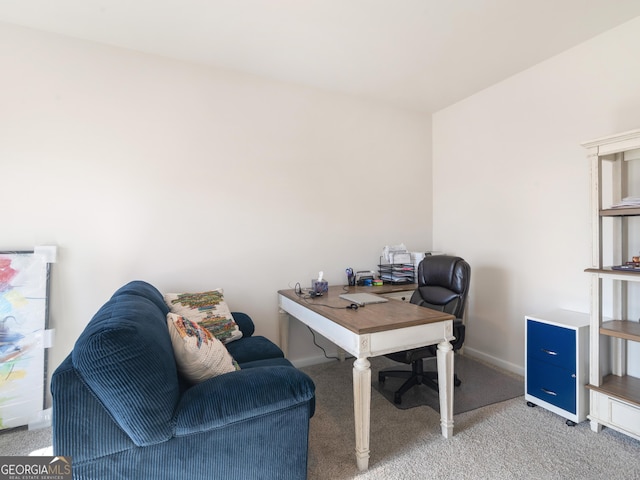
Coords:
199,355
209,310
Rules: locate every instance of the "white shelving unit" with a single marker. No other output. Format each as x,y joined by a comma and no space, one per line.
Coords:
615,175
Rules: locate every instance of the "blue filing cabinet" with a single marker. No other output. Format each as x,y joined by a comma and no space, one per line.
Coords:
557,363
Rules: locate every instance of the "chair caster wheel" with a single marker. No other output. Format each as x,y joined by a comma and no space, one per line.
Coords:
397,399
530,404
570,423
457,382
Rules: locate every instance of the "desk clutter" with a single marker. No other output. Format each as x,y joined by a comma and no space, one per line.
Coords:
396,273
396,266
632,266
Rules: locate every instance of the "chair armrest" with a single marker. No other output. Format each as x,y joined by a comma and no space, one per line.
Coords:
245,324
237,396
458,332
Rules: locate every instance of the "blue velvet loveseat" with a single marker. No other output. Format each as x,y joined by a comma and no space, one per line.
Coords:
121,409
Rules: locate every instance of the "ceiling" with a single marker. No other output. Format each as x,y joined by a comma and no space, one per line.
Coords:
418,54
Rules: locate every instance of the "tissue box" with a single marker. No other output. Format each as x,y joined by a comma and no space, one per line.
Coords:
319,287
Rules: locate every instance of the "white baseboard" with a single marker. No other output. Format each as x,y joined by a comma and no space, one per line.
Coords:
510,367
469,352
308,361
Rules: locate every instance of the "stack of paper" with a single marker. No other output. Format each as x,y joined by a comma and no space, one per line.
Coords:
396,254
627,202
397,273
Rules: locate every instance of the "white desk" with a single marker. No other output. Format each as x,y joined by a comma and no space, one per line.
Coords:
371,331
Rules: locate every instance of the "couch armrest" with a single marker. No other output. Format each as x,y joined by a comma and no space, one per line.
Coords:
245,324
237,396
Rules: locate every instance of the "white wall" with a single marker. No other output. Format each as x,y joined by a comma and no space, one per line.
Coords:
140,167
511,184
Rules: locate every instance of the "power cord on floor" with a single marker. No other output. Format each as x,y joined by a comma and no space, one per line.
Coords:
323,350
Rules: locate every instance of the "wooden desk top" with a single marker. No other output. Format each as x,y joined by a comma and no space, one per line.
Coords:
378,317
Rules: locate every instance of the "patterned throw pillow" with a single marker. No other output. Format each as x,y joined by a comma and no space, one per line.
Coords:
199,355
207,309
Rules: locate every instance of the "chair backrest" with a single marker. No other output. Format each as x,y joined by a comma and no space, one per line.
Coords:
443,284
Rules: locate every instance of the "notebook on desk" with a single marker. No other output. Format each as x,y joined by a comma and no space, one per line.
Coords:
363,298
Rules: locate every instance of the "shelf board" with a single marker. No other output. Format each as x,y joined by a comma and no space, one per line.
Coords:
611,271
626,329
625,388
620,212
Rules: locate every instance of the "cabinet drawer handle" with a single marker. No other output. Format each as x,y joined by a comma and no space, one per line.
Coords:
549,392
549,352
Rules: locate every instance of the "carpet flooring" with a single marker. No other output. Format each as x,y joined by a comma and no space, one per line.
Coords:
502,441
481,385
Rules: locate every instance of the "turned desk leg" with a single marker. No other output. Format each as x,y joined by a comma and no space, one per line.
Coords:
445,387
362,408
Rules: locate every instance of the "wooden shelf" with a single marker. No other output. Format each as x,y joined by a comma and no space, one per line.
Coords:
620,212
626,329
625,388
611,271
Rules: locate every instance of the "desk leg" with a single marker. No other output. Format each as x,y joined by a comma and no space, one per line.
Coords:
362,409
445,387
284,332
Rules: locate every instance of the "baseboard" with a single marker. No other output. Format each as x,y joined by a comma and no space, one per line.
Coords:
510,367
308,361
467,351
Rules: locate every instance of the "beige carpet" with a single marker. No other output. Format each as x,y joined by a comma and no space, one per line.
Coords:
481,385
505,440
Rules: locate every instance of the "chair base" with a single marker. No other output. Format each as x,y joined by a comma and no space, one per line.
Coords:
417,376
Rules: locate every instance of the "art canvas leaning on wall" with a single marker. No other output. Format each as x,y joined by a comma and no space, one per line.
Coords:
24,287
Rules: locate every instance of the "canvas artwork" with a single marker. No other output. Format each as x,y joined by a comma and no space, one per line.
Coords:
24,279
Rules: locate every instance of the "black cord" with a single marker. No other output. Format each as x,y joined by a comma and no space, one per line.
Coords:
302,296
323,350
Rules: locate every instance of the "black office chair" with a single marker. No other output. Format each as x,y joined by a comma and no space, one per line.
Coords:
443,284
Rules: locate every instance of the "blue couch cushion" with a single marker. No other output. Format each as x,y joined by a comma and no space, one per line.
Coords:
244,395
248,349
125,356
267,362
